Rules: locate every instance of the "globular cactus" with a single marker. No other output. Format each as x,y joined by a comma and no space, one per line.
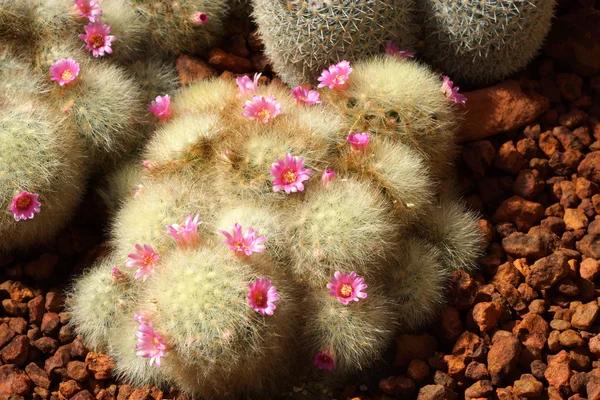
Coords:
302,37
480,42
268,241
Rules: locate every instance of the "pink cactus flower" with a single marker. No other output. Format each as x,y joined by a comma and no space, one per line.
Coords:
64,71
142,317
137,192
97,38
393,50
161,107
246,85
147,164
324,360
306,96
336,76
358,140
328,176
262,108
118,275
89,9
185,235
246,243
144,259
451,92
150,344
347,287
262,296
289,174
199,18
25,206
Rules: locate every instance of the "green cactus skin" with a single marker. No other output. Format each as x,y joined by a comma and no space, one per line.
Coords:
303,37
479,42
210,160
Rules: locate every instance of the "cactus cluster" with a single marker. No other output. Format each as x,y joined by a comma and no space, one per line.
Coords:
483,41
473,41
266,234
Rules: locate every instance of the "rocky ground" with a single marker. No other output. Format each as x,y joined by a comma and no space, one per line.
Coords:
524,326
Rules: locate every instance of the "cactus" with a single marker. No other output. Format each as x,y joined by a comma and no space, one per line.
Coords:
252,267
302,37
480,42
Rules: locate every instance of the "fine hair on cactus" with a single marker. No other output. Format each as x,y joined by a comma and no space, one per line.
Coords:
480,42
303,37
267,239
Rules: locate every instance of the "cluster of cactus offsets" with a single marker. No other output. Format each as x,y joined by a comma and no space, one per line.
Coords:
301,37
262,235
483,41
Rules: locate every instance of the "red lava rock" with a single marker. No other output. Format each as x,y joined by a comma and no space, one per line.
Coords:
54,300
478,156
77,370
36,309
594,227
585,188
589,168
50,323
570,86
436,392
529,184
59,359
66,334
84,395
500,108
417,370
124,392
560,324
14,308
43,267
570,338
13,381
549,143
558,372
528,388
573,118
503,356
223,61
488,231
37,375
509,159
16,351
585,315
477,371
480,389
565,163
193,69
589,246
519,211
20,293
100,365
530,246
6,334
487,314
399,386
450,325
575,219
46,345
527,147
69,388
544,273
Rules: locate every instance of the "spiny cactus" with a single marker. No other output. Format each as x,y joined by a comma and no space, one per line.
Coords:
480,42
301,37
263,239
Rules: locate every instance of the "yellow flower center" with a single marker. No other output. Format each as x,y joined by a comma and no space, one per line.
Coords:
155,340
97,40
289,177
339,79
148,260
66,75
23,202
258,298
264,114
346,290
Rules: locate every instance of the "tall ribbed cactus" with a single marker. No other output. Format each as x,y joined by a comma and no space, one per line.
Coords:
302,37
483,41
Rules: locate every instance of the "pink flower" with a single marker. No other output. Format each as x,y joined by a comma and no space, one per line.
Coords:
64,71
324,360
451,92
289,174
199,18
347,287
142,317
393,50
118,275
138,191
150,344
262,108
246,243
328,176
306,96
147,164
144,259
336,76
161,107
359,140
88,9
246,85
185,235
25,205
262,296
97,38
